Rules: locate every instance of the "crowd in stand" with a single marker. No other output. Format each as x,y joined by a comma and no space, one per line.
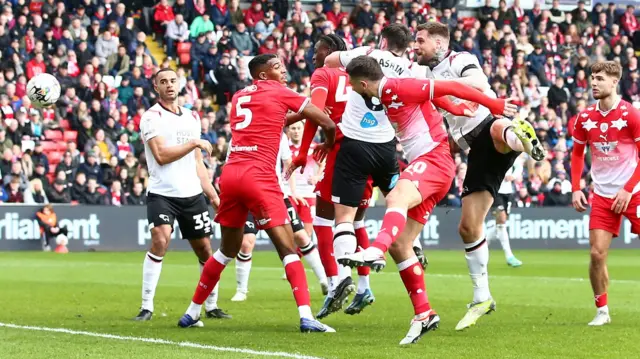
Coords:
99,53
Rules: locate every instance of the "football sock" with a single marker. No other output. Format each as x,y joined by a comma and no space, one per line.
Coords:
311,255
392,225
512,140
243,269
298,281
324,231
208,280
503,237
344,242
151,268
477,256
417,242
363,283
413,279
212,300
362,238
601,301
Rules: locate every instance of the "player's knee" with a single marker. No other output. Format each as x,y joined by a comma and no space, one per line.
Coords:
598,255
469,232
395,198
399,249
159,240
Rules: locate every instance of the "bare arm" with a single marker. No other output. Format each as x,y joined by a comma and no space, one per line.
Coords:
206,184
293,118
164,154
333,60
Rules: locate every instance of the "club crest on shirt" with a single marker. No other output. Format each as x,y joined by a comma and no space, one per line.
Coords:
604,127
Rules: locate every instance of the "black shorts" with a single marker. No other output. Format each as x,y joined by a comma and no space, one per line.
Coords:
503,203
355,162
486,167
192,214
296,223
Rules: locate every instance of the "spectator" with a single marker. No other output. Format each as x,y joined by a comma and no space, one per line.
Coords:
115,195
91,167
5,142
241,40
16,173
555,197
48,222
220,15
59,192
137,197
67,166
201,25
78,187
336,15
35,194
177,31
117,64
92,196
106,46
15,191
253,15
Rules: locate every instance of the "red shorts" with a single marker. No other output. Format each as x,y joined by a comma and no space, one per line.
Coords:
305,213
323,187
245,189
602,217
432,173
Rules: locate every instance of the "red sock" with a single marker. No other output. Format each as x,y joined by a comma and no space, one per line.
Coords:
363,241
413,279
392,225
208,279
297,279
325,249
601,300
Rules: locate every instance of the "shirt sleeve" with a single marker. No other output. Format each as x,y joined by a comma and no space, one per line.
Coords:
463,62
320,80
408,91
294,101
347,56
149,128
285,150
579,134
633,119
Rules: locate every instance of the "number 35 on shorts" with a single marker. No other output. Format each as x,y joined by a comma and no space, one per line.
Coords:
202,221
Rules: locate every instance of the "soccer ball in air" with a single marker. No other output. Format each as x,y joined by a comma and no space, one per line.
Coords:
43,90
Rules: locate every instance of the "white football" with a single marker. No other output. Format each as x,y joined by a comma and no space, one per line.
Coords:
43,90
62,240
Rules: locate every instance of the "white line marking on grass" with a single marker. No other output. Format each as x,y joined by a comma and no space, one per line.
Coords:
160,341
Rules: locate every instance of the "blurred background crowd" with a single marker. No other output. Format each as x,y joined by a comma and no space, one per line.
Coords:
104,53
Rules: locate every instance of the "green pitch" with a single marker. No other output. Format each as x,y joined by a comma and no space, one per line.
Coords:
542,310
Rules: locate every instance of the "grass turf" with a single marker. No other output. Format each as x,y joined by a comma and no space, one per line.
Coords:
542,310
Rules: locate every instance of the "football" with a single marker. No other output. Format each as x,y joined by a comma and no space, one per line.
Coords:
62,240
43,90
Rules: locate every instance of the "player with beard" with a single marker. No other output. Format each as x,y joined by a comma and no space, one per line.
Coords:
330,89
424,183
249,183
493,143
178,183
612,129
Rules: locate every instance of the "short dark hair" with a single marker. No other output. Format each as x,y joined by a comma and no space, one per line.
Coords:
435,28
256,64
365,67
398,37
334,42
166,69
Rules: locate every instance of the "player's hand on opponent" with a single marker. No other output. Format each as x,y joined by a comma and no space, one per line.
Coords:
321,152
621,201
328,110
299,161
298,200
510,110
312,180
579,201
204,145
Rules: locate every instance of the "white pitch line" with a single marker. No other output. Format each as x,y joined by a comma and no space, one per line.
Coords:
160,341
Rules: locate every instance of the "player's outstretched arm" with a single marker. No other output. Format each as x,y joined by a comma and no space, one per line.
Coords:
474,78
456,89
164,154
578,199
333,59
313,114
205,182
456,110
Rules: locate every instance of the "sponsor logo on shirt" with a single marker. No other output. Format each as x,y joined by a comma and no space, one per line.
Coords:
244,148
264,221
368,121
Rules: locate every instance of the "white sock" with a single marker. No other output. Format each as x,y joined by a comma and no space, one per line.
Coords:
363,283
312,257
243,269
513,141
212,300
503,237
417,242
477,256
604,309
305,312
333,283
344,242
194,310
151,268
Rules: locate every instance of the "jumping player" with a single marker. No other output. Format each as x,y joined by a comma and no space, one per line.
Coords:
249,184
612,129
303,241
178,183
493,146
423,183
330,88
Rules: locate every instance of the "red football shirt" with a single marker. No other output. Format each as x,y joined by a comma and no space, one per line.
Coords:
612,136
408,102
257,120
335,82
